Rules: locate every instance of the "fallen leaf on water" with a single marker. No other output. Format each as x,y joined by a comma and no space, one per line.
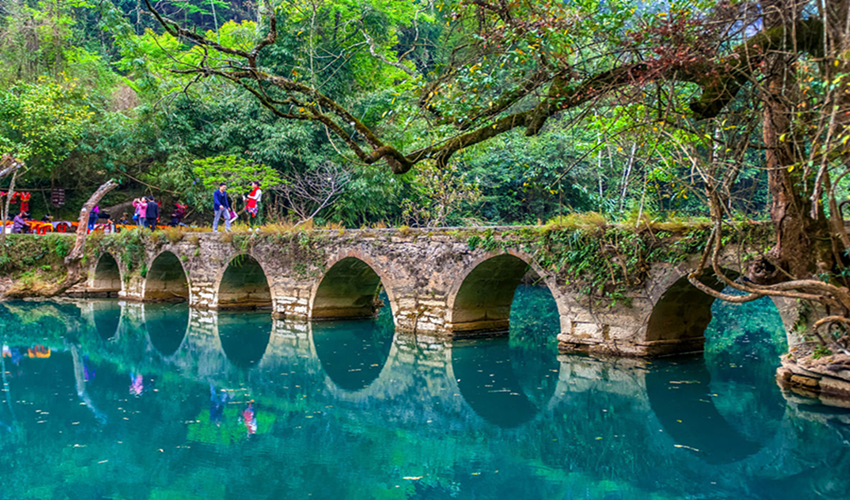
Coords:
685,447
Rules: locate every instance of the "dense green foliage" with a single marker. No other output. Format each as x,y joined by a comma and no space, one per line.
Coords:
87,93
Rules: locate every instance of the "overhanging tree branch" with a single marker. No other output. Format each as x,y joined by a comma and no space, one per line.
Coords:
720,80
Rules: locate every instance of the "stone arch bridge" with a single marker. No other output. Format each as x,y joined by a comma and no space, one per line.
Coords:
436,282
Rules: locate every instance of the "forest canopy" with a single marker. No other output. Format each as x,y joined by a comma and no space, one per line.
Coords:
419,80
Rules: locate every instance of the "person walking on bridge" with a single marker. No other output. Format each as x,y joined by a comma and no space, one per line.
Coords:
139,207
151,213
253,204
222,207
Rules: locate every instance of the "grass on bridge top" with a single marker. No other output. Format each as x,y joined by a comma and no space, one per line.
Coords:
588,221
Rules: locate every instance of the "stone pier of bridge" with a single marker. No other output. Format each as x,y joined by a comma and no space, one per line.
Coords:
435,281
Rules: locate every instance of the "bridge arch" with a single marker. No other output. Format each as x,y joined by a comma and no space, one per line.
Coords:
106,277
243,285
166,279
349,289
480,299
682,312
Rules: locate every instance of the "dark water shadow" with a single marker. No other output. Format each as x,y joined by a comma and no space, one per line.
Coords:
353,352
507,381
244,336
488,383
679,394
166,325
107,318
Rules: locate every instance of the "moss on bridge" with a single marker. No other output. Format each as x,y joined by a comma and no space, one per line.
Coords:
605,262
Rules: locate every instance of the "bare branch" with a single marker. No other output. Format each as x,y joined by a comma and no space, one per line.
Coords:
310,192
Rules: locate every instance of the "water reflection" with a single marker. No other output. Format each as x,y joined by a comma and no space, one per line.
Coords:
244,336
488,383
218,399
520,423
166,325
249,418
353,353
534,329
743,343
107,317
507,381
729,396
681,398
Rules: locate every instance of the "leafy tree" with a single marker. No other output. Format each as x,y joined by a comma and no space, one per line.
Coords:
41,122
236,172
440,196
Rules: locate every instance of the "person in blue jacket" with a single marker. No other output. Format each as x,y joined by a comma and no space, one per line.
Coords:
151,213
222,207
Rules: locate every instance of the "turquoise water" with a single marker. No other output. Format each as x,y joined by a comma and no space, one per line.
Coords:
157,401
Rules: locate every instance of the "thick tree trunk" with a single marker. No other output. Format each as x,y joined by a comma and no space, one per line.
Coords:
802,247
802,243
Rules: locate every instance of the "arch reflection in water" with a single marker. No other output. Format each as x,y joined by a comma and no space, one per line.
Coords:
353,352
507,381
107,317
725,406
742,350
166,325
244,336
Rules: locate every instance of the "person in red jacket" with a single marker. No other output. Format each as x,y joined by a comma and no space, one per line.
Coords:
253,205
